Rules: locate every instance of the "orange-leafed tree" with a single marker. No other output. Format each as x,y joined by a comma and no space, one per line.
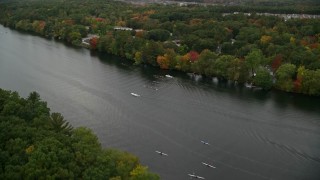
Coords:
140,34
121,23
38,26
168,60
184,63
195,22
163,62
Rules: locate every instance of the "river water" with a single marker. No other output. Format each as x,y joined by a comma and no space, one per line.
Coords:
251,134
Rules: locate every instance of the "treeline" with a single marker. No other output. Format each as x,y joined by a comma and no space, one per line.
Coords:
37,144
267,51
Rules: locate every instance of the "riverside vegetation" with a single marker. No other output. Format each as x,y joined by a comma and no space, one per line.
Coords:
244,47
37,144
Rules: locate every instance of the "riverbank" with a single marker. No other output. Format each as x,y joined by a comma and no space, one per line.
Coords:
47,146
257,49
248,84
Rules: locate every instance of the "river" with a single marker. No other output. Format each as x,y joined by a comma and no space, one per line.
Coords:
251,134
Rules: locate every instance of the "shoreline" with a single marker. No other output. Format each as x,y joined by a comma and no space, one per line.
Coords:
202,76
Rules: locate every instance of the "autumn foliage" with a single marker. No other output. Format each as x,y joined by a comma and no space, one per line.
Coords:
276,62
93,42
265,39
297,84
140,34
163,62
172,37
194,56
99,19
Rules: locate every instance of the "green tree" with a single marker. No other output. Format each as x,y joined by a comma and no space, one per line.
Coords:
310,82
205,63
221,66
263,79
249,34
284,77
254,59
38,148
59,124
49,159
238,71
158,34
150,52
86,147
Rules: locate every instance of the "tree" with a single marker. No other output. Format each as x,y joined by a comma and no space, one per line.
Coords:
86,148
263,79
184,63
276,62
58,124
163,62
141,173
265,39
309,81
158,34
168,61
94,42
238,71
49,159
286,71
33,97
221,66
205,63
150,52
254,59
74,37
138,58
121,38
194,55
284,77
34,150
249,34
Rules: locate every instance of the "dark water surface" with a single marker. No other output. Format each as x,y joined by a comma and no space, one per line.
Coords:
252,134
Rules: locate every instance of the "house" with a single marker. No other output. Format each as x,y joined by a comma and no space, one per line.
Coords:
86,40
122,28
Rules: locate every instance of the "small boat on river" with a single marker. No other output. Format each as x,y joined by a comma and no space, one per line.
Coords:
195,176
209,165
161,153
205,143
135,95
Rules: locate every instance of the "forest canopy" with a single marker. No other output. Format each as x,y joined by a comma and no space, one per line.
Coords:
245,43
38,144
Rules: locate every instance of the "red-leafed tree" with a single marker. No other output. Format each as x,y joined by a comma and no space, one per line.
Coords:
194,56
297,84
314,45
100,19
276,62
93,42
